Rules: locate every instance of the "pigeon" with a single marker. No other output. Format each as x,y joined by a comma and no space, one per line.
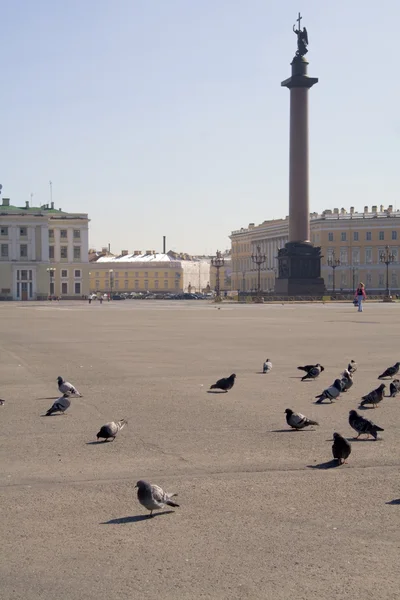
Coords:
267,366
390,371
60,405
225,384
313,373
341,448
297,420
346,381
67,388
153,497
2,402
352,366
110,430
374,397
306,368
394,388
362,425
331,392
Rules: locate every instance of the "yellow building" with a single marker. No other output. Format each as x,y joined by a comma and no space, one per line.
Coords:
147,272
355,240
43,251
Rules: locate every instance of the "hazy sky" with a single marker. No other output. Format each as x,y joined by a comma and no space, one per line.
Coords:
167,116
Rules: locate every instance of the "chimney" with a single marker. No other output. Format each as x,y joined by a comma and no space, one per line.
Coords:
26,203
352,210
381,208
164,244
342,211
366,210
6,201
52,206
149,252
137,253
390,208
335,211
374,208
124,252
109,248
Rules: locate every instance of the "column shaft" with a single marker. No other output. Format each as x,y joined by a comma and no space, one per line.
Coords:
299,226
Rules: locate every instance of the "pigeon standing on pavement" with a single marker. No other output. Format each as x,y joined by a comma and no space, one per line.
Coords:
153,497
352,366
267,366
313,373
60,405
390,371
374,397
331,393
346,381
297,420
2,402
341,448
67,388
110,430
362,425
394,387
224,384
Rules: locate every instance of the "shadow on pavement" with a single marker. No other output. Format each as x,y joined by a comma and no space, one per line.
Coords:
326,465
394,502
136,518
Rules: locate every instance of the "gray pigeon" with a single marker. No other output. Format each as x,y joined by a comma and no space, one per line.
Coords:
362,425
374,397
2,402
331,393
390,372
67,388
110,430
297,420
352,366
267,366
341,448
346,381
153,497
60,405
313,372
394,388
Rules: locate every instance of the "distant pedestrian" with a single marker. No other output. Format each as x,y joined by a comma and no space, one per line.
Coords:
360,296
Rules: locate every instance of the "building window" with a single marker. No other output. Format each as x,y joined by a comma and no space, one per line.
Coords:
368,255
97,284
126,284
394,279
23,250
156,284
395,253
177,285
116,274
77,252
394,235
381,280
51,251
146,274
64,287
63,234
77,287
136,273
51,233
330,236
77,273
4,231
356,256
22,232
369,279
156,274
64,252
136,284
355,236
166,275
4,250
166,284
126,274
116,285
343,280
381,235
368,236
146,284
64,273
343,236
107,284
24,275
343,256
77,234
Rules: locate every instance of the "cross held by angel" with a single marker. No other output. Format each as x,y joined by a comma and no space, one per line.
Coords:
302,38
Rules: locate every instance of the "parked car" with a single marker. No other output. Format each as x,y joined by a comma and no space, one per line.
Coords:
118,297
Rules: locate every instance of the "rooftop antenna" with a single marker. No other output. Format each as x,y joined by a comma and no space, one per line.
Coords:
51,191
1,187
31,198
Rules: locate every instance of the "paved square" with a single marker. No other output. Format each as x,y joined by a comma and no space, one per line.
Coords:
255,520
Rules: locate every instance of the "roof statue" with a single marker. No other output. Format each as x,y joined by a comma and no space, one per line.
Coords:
302,38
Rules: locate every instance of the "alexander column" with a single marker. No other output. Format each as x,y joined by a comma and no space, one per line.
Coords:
299,261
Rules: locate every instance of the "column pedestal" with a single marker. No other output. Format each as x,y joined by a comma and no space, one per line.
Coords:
299,270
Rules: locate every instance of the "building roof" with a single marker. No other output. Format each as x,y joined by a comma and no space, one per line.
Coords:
45,210
153,257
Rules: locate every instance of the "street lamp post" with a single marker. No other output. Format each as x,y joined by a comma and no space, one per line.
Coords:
387,258
51,271
111,273
218,261
259,259
333,262
243,281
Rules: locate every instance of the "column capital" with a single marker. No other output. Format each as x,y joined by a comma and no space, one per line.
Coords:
299,77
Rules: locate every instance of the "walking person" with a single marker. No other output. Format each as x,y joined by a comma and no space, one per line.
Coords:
360,296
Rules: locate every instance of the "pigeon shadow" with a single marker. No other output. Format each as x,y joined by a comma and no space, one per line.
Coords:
136,518
217,391
53,415
52,398
394,502
286,430
326,465
368,439
365,407
96,442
